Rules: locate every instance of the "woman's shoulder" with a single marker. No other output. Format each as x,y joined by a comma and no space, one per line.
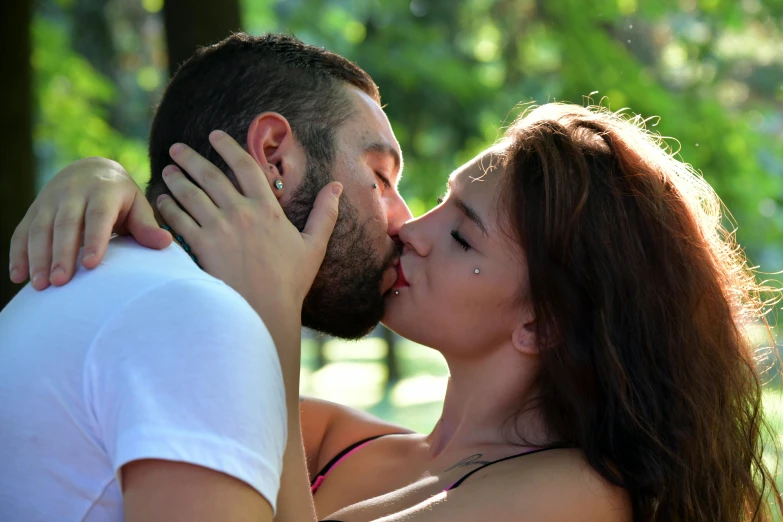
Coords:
558,484
329,428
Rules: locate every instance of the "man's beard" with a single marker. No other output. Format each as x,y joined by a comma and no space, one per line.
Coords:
345,299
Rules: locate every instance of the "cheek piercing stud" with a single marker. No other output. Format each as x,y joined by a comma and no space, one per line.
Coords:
396,292
476,271
374,185
279,184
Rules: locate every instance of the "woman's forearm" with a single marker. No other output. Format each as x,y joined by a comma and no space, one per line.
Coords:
294,501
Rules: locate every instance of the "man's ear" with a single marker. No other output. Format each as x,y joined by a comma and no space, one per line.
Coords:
524,335
271,142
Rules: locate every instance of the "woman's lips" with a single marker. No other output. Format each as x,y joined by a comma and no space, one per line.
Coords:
401,281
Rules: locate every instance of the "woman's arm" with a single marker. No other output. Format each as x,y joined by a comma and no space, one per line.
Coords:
329,428
92,196
246,240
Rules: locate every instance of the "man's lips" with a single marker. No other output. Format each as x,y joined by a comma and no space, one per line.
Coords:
401,281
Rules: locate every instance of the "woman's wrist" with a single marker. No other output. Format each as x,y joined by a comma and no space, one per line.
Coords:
284,323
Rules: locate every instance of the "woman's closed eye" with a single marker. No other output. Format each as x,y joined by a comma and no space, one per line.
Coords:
460,240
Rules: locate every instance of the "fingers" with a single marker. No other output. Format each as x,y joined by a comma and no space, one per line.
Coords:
320,223
18,266
190,196
99,220
142,224
249,175
179,220
210,178
65,242
39,248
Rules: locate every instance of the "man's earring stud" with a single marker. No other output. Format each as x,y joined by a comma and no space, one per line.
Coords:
476,271
279,184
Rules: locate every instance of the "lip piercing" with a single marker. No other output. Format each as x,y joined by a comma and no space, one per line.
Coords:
396,292
476,271
279,184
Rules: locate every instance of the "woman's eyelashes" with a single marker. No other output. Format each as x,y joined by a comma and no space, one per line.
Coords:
460,240
455,233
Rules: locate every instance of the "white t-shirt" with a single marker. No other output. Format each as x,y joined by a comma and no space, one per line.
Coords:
144,357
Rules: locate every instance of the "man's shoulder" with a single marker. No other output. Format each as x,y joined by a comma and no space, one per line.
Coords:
129,271
160,291
188,318
131,282
127,259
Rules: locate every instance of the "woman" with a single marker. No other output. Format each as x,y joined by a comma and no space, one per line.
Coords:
591,310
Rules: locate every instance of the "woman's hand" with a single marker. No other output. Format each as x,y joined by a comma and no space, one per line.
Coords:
245,239
93,196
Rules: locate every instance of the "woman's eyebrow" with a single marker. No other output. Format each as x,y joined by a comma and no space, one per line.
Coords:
465,209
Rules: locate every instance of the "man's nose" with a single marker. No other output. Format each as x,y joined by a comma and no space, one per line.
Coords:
398,214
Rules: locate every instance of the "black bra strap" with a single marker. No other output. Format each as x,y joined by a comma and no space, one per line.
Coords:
460,481
340,455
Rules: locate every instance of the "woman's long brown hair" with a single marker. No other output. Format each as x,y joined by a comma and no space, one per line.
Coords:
642,300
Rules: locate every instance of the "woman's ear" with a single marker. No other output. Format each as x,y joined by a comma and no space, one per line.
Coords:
271,142
524,335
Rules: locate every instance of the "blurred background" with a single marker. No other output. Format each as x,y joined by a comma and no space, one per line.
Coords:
81,78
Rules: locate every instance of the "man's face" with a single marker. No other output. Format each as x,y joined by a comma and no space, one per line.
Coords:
346,299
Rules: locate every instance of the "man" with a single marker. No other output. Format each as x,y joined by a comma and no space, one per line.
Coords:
145,384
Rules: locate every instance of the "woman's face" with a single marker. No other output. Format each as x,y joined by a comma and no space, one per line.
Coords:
460,274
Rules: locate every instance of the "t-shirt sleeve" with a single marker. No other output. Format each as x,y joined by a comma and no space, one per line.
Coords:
188,372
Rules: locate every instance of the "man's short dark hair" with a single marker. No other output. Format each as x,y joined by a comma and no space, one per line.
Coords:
225,86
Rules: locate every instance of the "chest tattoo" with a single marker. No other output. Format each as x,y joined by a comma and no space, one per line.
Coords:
473,460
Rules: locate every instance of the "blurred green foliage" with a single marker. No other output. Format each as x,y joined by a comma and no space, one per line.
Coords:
72,100
97,103
452,72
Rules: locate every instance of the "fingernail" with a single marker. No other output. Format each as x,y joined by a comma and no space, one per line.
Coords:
58,271
162,198
14,270
176,148
170,169
216,135
87,254
337,190
36,277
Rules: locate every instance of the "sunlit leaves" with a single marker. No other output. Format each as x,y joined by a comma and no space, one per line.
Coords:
71,101
152,6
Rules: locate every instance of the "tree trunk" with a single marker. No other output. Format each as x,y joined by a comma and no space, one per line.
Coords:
391,356
93,39
195,23
17,175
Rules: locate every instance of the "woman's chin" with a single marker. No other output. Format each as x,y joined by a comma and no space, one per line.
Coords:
398,318
407,324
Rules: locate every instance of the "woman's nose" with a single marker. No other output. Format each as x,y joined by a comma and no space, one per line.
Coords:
413,236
